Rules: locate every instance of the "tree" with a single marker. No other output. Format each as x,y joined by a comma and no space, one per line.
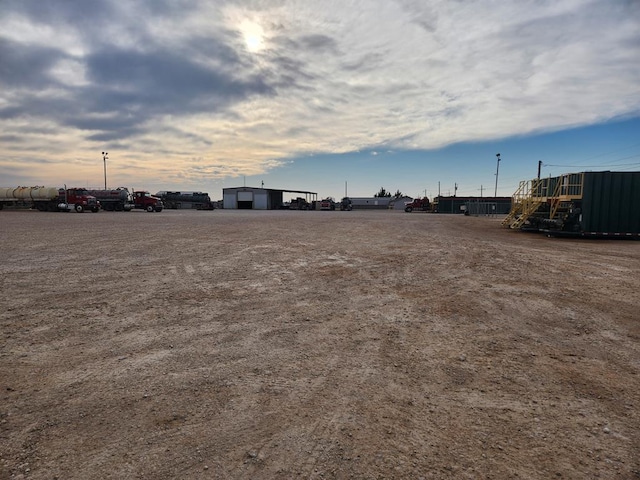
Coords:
398,194
382,193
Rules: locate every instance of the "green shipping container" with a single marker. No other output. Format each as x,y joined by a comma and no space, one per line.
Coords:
611,203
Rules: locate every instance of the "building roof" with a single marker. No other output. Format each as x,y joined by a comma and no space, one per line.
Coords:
271,190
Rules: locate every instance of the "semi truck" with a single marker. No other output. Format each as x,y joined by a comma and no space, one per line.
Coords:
145,201
420,204
186,200
123,200
327,204
49,199
346,205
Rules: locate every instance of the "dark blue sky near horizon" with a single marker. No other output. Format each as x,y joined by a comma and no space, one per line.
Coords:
400,94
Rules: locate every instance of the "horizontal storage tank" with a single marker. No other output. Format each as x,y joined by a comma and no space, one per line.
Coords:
7,193
29,193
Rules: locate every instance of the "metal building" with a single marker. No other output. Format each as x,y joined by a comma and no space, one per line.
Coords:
472,205
250,198
370,203
584,204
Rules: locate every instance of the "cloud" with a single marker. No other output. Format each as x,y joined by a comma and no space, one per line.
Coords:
184,81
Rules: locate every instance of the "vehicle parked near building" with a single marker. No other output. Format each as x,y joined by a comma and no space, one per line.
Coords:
186,200
346,204
421,204
327,204
299,203
123,200
50,199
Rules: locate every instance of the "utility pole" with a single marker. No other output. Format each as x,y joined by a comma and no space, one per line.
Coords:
104,160
539,168
455,189
480,191
438,187
495,194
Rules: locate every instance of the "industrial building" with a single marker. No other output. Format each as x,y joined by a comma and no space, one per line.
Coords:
370,203
582,204
251,198
472,205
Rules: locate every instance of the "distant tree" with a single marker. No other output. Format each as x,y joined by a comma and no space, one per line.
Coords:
382,193
398,194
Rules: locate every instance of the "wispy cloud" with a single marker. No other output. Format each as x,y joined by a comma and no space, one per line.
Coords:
204,89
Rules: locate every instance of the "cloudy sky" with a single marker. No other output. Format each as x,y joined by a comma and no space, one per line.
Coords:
203,94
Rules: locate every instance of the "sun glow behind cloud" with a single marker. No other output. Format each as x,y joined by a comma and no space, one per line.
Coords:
253,36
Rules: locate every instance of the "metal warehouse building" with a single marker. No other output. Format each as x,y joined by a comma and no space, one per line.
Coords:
250,198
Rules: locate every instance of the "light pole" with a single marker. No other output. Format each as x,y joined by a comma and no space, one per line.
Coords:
104,159
495,193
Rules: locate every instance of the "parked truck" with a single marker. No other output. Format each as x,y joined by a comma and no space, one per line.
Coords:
123,200
421,204
328,204
346,205
145,201
119,199
49,199
299,203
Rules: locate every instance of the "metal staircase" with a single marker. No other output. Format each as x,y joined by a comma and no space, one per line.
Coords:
557,192
525,201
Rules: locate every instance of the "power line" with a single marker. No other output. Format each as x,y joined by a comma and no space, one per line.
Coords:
592,166
614,151
604,165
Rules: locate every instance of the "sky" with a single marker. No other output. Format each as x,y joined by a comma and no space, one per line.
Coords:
335,97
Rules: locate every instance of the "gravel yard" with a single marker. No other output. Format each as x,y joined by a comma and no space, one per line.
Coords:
315,345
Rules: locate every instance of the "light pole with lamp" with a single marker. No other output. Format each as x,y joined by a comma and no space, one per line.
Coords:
104,159
495,193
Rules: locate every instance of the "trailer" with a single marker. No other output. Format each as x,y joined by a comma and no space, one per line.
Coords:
119,199
586,204
186,200
49,199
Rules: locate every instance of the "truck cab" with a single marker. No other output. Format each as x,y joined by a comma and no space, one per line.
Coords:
346,204
328,204
77,199
144,200
421,204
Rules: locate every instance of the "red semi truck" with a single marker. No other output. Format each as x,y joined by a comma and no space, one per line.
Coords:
146,201
50,199
421,204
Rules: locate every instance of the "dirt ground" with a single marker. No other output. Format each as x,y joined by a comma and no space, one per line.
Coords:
315,345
